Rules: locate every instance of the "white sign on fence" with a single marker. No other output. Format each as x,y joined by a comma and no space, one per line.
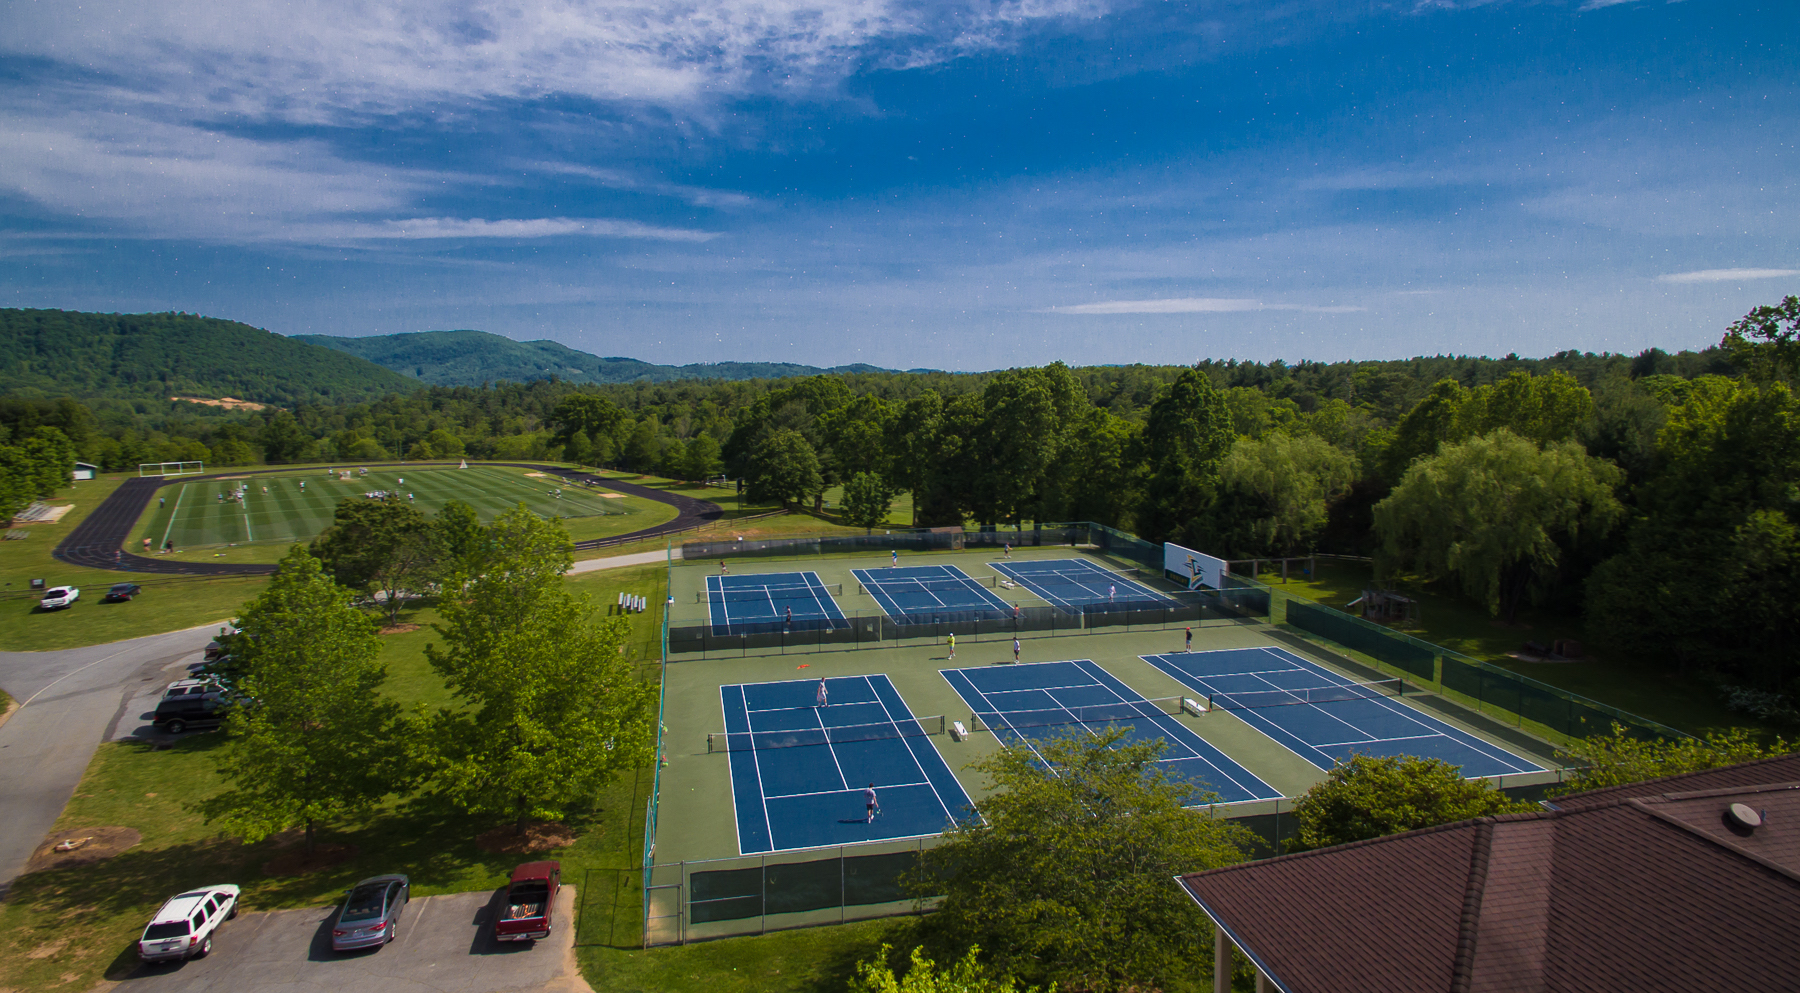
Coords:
1199,568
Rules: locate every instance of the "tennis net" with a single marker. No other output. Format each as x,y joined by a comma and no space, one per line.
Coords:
764,594
1085,577
745,741
1258,699
1101,713
909,585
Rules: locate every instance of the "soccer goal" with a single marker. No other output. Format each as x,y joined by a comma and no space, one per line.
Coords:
170,468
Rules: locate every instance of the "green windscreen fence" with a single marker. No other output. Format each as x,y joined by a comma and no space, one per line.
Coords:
1364,636
1557,709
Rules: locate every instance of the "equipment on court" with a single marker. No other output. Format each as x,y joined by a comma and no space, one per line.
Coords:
1103,713
744,741
892,586
763,594
1258,699
170,468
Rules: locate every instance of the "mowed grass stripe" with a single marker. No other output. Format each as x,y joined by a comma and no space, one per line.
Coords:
286,513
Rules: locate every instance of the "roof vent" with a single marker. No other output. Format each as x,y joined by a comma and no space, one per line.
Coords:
1742,818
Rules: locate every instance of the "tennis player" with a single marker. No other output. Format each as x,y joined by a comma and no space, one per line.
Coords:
896,559
870,805
1111,591
822,694
1015,651
790,618
1190,641
722,570
953,644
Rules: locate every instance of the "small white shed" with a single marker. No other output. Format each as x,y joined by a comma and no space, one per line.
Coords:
84,471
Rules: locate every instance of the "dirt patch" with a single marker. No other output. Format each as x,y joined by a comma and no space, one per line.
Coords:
398,628
229,403
537,474
539,836
296,862
100,843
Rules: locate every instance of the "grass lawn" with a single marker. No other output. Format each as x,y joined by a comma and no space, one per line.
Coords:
168,603
205,524
1683,702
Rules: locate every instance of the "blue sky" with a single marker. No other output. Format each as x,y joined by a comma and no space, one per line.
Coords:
912,183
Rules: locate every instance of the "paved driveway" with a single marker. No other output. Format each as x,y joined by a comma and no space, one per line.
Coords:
442,945
72,701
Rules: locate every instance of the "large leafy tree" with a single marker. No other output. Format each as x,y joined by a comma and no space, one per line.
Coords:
1766,341
783,469
1712,567
1094,478
1274,492
584,424
1496,514
1370,797
967,975
1185,439
1067,876
914,443
867,498
311,737
549,710
385,547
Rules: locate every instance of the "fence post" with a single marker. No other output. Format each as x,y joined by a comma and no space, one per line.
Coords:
763,889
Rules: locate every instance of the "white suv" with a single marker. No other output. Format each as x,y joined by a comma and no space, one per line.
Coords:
58,597
184,927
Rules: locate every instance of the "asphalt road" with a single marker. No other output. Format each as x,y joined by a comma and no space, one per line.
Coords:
71,702
442,946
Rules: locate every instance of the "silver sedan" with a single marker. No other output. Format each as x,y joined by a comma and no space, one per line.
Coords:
371,913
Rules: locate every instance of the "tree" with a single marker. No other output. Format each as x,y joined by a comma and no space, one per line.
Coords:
1369,797
548,709
312,738
1273,492
703,458
1766,341
581,420
914,443
385,547
1185,439
643,447
783,469
966,976
1430,423
1541,408
854,434
1019,437
463,545
282,438
1093,478
1618,758
867,498
1067,876
1495,513
674,460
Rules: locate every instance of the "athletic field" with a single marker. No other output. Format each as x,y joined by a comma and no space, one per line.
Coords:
277,509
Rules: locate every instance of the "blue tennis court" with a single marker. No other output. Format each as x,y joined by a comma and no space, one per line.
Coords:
924,592
1325,718
798,769
1028,704
762,602
1079,586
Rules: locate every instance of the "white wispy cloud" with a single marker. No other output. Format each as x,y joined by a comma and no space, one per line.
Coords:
429,228
1725,275
699,196
332,59
1191,305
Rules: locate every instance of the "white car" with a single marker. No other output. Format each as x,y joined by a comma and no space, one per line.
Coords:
183,928
58,597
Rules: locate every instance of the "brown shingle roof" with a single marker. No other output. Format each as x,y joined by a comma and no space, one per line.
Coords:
1780,769
1627,893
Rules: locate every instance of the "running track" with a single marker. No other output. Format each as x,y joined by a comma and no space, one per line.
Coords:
105,532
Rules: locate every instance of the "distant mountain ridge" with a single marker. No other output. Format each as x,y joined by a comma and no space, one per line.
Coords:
160,356
470,358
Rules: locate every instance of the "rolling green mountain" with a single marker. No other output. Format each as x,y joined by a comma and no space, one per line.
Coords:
470,358
159,356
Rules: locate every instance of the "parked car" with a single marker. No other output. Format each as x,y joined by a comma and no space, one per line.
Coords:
188,703
58,597
530,902
122,592
371,913
184,927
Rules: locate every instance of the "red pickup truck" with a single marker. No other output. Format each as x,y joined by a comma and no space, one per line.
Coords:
530,902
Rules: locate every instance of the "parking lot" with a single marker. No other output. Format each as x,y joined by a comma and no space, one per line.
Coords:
442,943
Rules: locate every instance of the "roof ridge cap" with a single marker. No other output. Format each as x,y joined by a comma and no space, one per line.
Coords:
1529,815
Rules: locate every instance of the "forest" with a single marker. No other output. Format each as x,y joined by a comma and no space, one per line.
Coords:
1656,494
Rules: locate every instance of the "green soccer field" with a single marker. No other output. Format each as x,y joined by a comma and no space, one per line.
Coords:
277,509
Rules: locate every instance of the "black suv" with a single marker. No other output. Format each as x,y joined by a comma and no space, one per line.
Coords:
191,703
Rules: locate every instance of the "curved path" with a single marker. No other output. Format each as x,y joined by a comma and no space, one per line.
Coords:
99,541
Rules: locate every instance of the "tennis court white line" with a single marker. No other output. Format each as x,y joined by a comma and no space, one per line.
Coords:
868,681
1228,777
828,746
885,786
754,765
